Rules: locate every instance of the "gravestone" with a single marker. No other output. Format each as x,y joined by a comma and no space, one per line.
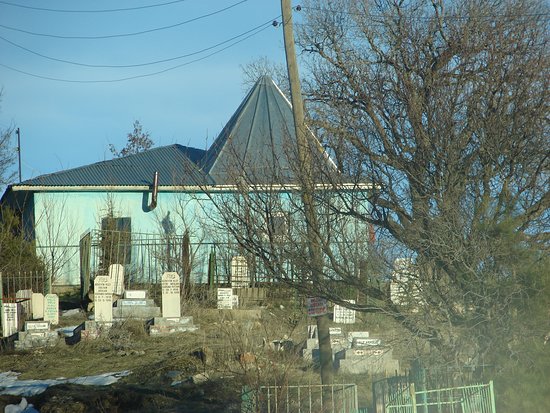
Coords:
10,319
343,315
135,294
116,274
225,298
51,308
25,298
239,272
171,306
103,299
37,305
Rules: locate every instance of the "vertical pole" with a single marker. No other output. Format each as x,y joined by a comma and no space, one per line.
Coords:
308,186
1,300
491,390
413,397
18,132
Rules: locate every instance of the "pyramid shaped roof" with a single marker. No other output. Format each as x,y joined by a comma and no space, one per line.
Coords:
259,141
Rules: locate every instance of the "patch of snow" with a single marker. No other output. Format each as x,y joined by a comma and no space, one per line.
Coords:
22,407
9,383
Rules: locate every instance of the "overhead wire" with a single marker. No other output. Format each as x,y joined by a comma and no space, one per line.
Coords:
252,32
150,63
111,36
149,6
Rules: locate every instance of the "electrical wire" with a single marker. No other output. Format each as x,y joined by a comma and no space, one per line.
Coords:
111,36
23,6
150,63
260,29
444,17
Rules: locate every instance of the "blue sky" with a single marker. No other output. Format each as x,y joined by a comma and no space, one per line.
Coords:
69,124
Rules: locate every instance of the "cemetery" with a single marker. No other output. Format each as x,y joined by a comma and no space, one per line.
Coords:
241,330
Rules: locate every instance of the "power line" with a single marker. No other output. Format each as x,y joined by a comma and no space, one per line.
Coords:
23,6
256,31
409,17
110,36
170,59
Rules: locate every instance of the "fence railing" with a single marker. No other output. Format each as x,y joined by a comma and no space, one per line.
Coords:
478,398
308,398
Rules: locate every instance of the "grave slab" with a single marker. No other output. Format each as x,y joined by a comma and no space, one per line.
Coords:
37,306
51,308
103,299
171,306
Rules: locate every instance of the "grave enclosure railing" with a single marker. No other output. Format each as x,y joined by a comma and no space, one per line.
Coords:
307,398
145,257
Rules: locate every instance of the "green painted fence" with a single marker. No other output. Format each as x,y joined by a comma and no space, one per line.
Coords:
478,398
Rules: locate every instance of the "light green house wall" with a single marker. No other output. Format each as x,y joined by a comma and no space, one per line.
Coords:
62,218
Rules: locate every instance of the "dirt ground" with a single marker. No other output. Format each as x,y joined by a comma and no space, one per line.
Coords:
201,371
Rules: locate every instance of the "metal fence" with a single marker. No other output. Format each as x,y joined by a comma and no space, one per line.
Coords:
309,398
478,398
146,257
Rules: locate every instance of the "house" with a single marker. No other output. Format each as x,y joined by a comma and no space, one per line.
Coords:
153,211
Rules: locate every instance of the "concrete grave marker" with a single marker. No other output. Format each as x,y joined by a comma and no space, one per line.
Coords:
10,319
344,315
171,305
135,294
25,298
116,274
225,298
103,299
335,331
37,305
239,272
51,308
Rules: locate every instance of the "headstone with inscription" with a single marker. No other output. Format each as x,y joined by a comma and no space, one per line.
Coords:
116,273
103,299
171,306
225,298
51,308
10,319
25,298
239,272
344,315
37,305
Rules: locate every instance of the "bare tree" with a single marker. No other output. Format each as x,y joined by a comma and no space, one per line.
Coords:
7,155
443,109
437,118
262,66
138,141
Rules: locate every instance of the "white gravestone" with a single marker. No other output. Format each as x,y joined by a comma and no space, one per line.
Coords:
116,273
239,272
344,315
37,305
10,319
171,306
25,298
51,308
103,299
225,298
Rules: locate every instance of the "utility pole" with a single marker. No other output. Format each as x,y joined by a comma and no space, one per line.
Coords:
18,133
308,187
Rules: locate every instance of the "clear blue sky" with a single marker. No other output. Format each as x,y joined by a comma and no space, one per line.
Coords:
69,124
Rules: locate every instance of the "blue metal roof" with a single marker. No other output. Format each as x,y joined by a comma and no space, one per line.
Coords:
176,165
259,141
